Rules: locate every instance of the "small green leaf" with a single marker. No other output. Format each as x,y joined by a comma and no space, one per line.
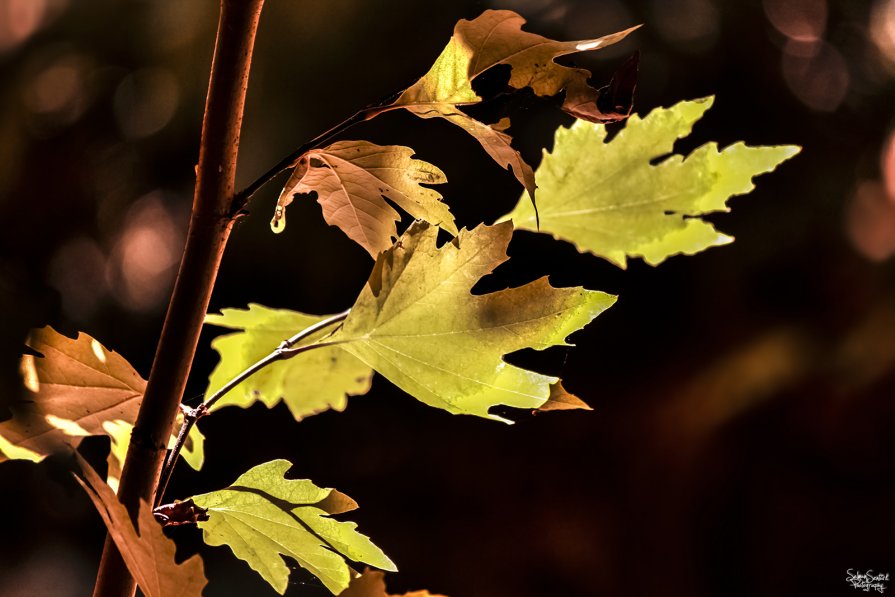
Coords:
417,323
308,383
264,516
607,198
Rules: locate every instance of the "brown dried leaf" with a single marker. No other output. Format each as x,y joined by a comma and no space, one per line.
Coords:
560,399
607,104
78,388
496,37
148,554
352,178
494,141
372,584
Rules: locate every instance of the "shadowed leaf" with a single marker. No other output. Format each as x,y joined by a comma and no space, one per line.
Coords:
417,323
76,388
148,554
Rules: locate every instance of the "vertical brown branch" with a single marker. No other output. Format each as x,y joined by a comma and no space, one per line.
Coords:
210,225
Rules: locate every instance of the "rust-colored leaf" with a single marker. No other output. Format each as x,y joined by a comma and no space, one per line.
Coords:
607,104
372,584
560,399
148,554
493,140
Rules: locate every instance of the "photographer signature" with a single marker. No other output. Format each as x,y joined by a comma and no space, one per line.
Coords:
867,581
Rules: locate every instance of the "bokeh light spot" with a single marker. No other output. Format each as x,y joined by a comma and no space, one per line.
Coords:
817,74
141,268
145,101
799,20
77,271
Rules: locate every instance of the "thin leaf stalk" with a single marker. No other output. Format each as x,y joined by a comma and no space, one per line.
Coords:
285,350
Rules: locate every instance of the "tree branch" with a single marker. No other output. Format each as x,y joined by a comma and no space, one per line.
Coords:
210,225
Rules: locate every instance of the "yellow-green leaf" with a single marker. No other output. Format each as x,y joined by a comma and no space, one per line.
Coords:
352,180
148,554
308,383
417,323
263,516
608,199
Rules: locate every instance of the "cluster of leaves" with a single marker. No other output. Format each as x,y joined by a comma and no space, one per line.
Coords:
607,198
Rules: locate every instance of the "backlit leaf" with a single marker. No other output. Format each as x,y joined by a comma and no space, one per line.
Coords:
608,199
496,37
352,178
148,554
417,323
493,38
263,516
308,383
76,388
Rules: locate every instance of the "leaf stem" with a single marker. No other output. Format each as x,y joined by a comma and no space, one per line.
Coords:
371,111
282,352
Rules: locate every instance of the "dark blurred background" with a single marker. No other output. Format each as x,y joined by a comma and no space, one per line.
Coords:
744,399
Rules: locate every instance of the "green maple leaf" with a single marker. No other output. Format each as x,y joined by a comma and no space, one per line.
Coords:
309,383
607,198
417,323
264,516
